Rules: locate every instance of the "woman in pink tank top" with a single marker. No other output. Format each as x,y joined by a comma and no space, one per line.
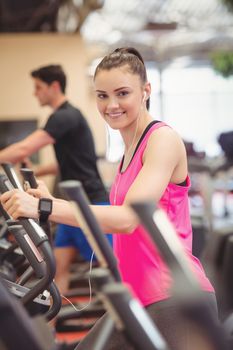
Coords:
154,167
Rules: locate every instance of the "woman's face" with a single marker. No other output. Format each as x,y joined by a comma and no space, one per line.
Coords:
119,96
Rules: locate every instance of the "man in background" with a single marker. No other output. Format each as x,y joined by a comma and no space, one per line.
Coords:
68,131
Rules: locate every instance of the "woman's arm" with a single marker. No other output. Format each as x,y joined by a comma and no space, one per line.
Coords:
164,161
111,218
118,219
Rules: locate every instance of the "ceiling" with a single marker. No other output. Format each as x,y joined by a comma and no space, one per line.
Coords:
127,16
161,29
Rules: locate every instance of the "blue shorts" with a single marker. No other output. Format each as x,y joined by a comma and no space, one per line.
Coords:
70,236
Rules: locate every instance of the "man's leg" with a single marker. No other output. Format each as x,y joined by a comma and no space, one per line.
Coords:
65,252
68,242
64,257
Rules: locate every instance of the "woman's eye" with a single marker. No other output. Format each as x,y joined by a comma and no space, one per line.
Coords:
101,96
123,93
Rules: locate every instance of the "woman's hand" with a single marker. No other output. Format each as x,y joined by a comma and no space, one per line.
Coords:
41,191
18,204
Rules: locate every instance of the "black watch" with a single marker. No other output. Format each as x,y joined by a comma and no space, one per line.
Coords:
45,207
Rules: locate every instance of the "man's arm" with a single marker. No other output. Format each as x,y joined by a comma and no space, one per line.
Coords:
46,169
41,170
22,149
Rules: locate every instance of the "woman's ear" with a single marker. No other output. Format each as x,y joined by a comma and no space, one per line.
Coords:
147,91
144,97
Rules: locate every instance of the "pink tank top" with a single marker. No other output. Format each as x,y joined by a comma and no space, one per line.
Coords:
139,261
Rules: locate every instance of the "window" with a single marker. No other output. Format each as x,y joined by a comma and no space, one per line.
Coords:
192,98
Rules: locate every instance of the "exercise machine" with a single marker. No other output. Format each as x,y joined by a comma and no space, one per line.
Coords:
126,313
34,243
186,289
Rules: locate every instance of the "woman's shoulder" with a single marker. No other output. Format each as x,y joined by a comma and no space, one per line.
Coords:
162,128
164,136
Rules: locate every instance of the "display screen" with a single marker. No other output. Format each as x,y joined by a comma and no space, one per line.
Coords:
12,131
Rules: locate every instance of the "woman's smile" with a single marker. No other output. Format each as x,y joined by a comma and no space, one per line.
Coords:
114,115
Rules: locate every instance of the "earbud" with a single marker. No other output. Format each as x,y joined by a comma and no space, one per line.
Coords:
144,97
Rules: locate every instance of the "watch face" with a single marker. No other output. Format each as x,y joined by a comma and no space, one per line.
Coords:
45,205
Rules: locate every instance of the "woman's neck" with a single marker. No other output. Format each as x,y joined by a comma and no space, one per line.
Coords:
131,138
132,134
